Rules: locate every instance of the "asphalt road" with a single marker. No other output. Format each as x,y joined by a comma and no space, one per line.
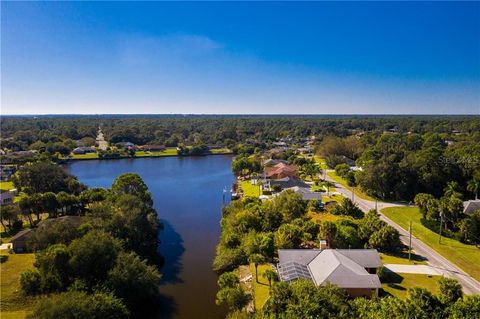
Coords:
469,284
102,144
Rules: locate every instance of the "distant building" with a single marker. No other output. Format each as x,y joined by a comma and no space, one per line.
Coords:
6,172
470,206
273,162
126,145
84,150
6,197
152,148
351,269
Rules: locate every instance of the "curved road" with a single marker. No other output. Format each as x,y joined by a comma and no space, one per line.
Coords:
434,259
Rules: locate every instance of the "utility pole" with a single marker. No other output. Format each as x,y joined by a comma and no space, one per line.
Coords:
440,233
410,241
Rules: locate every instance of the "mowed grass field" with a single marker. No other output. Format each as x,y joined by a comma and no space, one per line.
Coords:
261,290
467,257
12,303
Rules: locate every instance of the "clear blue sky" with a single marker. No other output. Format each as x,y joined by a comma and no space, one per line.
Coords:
313,58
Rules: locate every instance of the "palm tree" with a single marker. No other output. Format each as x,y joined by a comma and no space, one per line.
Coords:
328,184
270,275
451,190
256,259
473,185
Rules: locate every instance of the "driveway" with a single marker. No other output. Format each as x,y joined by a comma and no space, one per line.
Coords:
415,269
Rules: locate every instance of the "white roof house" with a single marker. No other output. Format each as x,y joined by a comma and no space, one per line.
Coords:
470,206
348,269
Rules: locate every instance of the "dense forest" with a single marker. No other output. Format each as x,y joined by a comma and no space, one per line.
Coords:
20,132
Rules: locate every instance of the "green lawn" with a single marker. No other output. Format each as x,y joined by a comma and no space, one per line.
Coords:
249,190
84,156
6,186
402,258
321,161
13,303
221,151
467,257
341,181
332,198
169,151
261,291
398,284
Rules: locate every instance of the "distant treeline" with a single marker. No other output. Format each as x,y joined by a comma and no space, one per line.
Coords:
20,132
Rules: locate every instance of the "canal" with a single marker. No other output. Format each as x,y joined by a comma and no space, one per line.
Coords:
187,194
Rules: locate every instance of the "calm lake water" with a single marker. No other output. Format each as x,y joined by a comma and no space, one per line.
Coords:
187,194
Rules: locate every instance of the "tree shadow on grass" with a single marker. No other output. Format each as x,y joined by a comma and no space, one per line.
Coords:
172,249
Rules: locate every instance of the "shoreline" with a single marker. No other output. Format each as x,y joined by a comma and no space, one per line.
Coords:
66,160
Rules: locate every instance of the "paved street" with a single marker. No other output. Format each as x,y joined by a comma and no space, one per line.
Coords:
470,285
102,144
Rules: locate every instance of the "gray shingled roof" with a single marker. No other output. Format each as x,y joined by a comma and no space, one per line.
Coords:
367,258
344,268
302,256
470,206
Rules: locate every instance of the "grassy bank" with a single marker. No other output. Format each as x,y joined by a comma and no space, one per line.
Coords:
249,190
467,257
13,303
169,151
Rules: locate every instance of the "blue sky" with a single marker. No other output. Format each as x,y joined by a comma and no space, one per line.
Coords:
230,57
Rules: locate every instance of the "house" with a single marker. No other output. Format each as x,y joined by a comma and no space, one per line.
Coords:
6,197
305,193
126,145
273,162
84,150
152,148
305,150
351,269
281,170
279,144
470,206
6,172
19,241
350,162
284,183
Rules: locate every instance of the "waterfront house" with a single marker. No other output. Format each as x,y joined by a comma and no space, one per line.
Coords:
281,170
305,193
351,269
84,150
152,148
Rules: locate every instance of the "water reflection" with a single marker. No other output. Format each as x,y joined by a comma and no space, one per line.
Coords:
172,251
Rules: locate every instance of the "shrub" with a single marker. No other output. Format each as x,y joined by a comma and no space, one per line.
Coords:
30,281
